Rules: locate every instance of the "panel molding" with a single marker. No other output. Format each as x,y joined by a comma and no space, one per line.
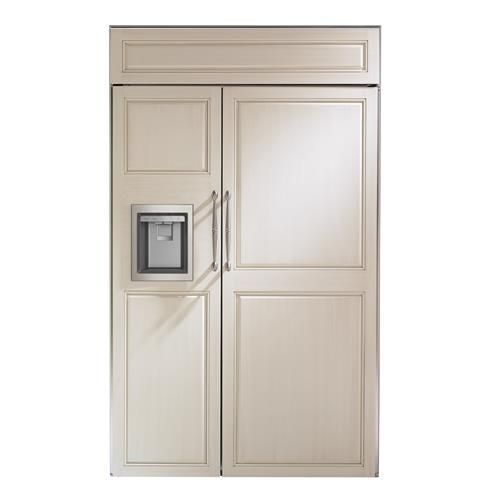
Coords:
237,190
207,138
360,67
206,327
268,294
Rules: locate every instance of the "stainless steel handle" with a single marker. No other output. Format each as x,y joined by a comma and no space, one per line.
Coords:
214,231
228,230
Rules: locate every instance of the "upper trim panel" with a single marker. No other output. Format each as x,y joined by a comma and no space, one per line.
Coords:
245,55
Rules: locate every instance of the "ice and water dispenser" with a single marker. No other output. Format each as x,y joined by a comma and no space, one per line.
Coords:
162,242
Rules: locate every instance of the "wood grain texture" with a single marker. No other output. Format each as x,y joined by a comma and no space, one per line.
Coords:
288,185
165,334
299,379
300,343
167,135
244,55
167,378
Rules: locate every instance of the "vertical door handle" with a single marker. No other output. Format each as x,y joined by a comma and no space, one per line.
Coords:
228,231
214,231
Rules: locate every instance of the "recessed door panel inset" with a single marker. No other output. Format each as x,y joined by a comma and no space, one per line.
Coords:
299,182
166,338
299,379
169,135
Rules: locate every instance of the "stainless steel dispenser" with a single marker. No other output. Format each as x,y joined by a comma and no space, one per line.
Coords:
162,242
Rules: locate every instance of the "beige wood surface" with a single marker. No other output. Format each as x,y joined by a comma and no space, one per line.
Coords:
321,164
299,378
166,354
165,334
166,135
253,55
299,305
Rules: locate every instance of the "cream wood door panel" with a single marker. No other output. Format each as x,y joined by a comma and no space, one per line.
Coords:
165,334
166,134
299,378
329,148
166,382
300,301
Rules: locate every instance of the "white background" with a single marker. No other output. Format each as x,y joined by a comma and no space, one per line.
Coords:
54,344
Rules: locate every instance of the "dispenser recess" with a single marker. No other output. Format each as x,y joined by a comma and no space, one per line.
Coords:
162,242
